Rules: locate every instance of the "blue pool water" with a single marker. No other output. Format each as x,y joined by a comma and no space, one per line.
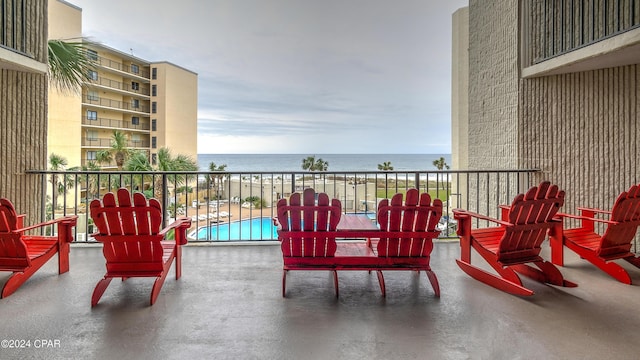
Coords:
253,229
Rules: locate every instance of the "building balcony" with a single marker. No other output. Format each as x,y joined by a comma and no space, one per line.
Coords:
228,305
122,68
144,127
106,142
14,52
131,107
122,88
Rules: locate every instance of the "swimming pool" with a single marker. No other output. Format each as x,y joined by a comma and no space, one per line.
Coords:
251,229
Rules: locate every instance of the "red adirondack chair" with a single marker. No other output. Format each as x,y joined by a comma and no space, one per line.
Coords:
25,254
133,244
516,242
307,230
417,219
613,244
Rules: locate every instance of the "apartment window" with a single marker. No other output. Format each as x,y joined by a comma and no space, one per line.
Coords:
92,54
92,115
135,139
92,95
154,124
153,142
154,107
91,155
135,68
154,159
135,103
154,73
93,75
154,90
92,135
135,85
135,120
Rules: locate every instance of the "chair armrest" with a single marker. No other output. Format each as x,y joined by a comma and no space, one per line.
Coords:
594,210
181,225
582,217
459,213
67,220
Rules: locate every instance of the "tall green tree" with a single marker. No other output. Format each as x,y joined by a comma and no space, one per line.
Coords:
216,179
59,182
310,163
119,150
69,65
385,166
441,164
139,161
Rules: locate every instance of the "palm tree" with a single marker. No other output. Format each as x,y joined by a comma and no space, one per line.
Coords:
118,150
385,166
441,164
89,181
217,178
308,163
139,161
58,163
312,164
69,65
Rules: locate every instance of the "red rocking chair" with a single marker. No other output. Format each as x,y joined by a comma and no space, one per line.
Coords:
613,244
516,242
133,244
25,254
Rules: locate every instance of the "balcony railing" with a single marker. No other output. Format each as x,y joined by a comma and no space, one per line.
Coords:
131,106
142,90
106,142
557,27
121,67
238,206
13,25
114,123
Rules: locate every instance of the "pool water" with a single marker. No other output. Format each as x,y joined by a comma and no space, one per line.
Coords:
251,229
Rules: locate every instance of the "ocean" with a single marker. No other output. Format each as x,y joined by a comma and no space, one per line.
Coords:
337,162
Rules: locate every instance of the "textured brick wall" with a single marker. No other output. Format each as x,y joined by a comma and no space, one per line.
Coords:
23,120
582,129
493,84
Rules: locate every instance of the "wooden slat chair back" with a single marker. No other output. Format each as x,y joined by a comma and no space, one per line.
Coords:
416,214
308,225
25,254
133,244
530,215
516,242
129,232
617,238
614,243
13,251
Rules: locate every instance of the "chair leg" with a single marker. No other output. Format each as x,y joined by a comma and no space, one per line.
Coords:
614,270
63,257
434,282
548,273
497,282
101,286
284,281
335,282
19,278
178,262
383,288
157,286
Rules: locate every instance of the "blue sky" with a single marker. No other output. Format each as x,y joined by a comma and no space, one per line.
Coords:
299,76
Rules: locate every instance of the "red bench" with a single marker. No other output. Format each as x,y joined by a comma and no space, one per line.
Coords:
308,230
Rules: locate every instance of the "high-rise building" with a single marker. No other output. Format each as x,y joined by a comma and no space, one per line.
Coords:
551,85
154,104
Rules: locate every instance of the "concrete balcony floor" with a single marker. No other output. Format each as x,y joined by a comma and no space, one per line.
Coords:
228,305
